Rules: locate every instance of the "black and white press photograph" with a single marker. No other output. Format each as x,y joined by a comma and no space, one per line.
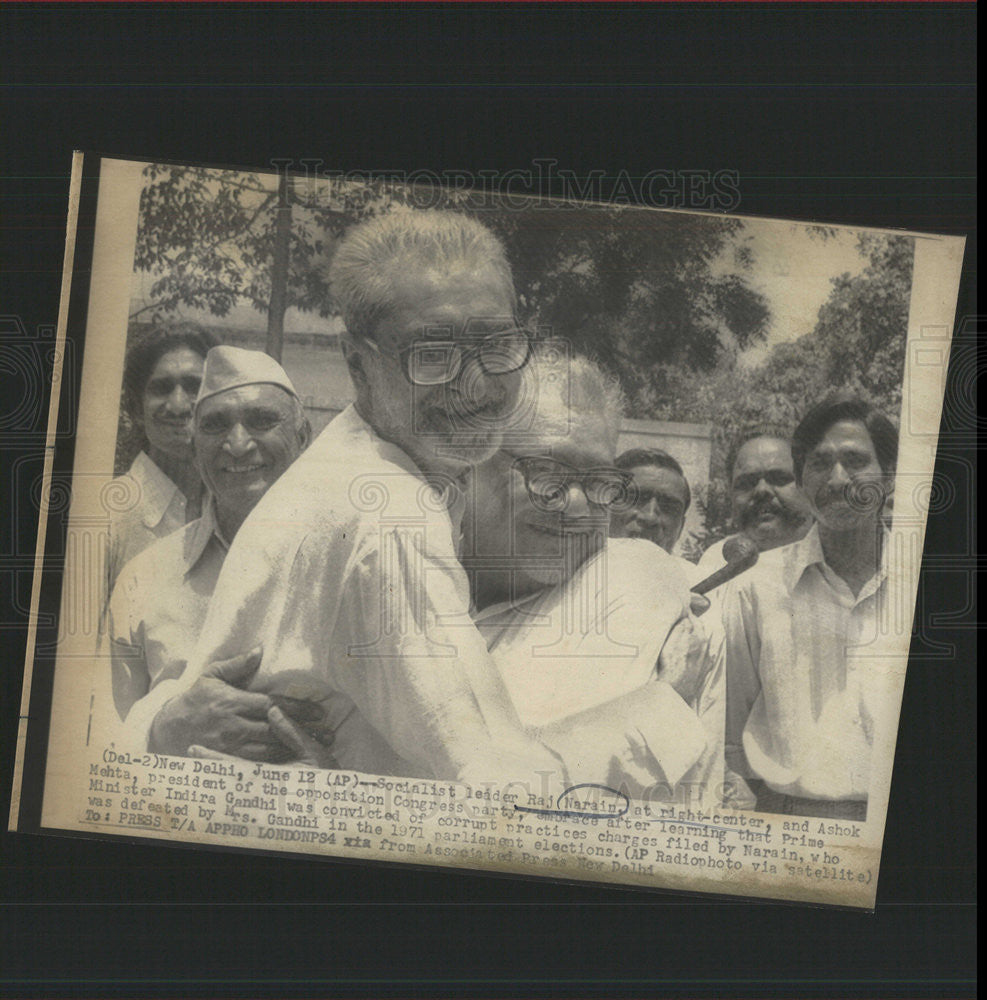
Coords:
489,499
414,522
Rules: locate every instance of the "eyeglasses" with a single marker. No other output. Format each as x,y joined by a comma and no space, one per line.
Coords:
548,483
437,362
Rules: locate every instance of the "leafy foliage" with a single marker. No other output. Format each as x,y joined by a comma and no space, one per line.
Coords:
638,290
664,300
857,344
208,236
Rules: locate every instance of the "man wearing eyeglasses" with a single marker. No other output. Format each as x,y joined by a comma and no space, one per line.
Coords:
345,578
593,637
656,511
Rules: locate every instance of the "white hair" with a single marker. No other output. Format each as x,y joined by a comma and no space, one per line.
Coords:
557,383
372,254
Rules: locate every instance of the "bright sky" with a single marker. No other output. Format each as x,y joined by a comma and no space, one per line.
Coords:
793,270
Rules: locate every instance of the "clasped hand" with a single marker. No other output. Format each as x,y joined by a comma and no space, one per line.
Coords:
218,718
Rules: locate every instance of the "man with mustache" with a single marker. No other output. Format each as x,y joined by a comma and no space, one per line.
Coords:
802,692
768,506
345,580
593,637
248,426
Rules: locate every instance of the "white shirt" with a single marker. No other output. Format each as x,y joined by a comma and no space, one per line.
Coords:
711,560
579,661
802,694
145,505
158,606
346,572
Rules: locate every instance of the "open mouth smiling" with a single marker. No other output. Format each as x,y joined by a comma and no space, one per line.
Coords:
242,470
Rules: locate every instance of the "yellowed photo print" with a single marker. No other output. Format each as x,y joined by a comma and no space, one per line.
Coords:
422,524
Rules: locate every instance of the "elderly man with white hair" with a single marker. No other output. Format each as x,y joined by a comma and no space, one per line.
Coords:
593,637
346,574
248,426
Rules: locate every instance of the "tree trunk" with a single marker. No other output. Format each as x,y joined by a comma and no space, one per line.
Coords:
279,272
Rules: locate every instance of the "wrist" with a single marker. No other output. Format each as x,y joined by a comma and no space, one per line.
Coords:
167,735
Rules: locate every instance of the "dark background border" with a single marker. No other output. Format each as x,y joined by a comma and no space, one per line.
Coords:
856,115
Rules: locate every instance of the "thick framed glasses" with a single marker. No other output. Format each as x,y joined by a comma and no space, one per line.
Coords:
436,362
548,483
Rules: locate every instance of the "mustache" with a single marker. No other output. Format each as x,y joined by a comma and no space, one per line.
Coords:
782,511
575,527
496,402
859,496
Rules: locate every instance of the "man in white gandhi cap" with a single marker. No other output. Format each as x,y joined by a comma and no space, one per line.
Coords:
248,427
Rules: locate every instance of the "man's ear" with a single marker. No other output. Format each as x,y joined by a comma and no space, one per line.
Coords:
353,355
304,434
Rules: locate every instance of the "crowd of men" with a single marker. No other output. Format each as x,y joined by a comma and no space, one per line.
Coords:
460,578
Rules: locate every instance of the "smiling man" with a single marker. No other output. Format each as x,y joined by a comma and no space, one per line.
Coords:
162,488
802,693
661,498
248,427
593,637
346,574
769,507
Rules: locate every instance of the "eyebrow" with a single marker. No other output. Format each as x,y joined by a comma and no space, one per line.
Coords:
165,380
247,413
849,449
473,328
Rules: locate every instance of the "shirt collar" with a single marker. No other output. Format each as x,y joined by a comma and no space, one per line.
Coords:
805,553
199,534
157,489
809,552
510,608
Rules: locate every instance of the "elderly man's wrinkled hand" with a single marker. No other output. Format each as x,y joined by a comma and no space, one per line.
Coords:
218,714
304,748
684,659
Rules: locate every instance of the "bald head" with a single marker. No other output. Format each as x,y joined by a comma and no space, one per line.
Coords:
565,397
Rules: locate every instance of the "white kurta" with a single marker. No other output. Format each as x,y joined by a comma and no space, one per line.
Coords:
146,506
579,661
346,573
158,606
